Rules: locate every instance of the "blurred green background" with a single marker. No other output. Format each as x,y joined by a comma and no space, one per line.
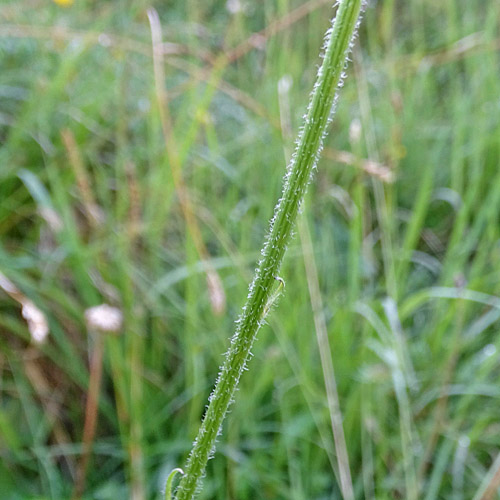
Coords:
147,183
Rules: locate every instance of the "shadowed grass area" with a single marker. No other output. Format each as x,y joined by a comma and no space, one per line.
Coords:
407,271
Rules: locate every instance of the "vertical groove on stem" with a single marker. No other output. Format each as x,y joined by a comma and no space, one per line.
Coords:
308,147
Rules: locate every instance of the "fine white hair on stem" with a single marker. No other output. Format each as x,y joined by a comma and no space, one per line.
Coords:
338,43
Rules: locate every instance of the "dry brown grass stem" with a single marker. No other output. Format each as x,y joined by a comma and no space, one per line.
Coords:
371,167
216,291
91,411
90,208
257,40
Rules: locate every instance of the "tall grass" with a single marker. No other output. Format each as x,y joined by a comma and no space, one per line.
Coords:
407,271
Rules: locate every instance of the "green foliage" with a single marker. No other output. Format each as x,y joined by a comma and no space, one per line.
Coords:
417,375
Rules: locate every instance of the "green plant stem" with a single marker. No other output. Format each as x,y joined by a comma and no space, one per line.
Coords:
337,46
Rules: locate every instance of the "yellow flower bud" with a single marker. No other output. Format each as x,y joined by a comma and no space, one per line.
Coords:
63,3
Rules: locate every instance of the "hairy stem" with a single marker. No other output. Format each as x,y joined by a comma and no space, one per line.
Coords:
337,46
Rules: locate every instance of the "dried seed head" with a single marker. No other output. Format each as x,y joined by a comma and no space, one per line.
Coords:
104,318
37,322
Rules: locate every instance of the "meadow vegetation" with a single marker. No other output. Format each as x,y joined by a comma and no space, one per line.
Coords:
142,173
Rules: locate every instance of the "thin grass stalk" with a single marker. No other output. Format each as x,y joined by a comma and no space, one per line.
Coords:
332,395
91,414
337,46
214,285
324,349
